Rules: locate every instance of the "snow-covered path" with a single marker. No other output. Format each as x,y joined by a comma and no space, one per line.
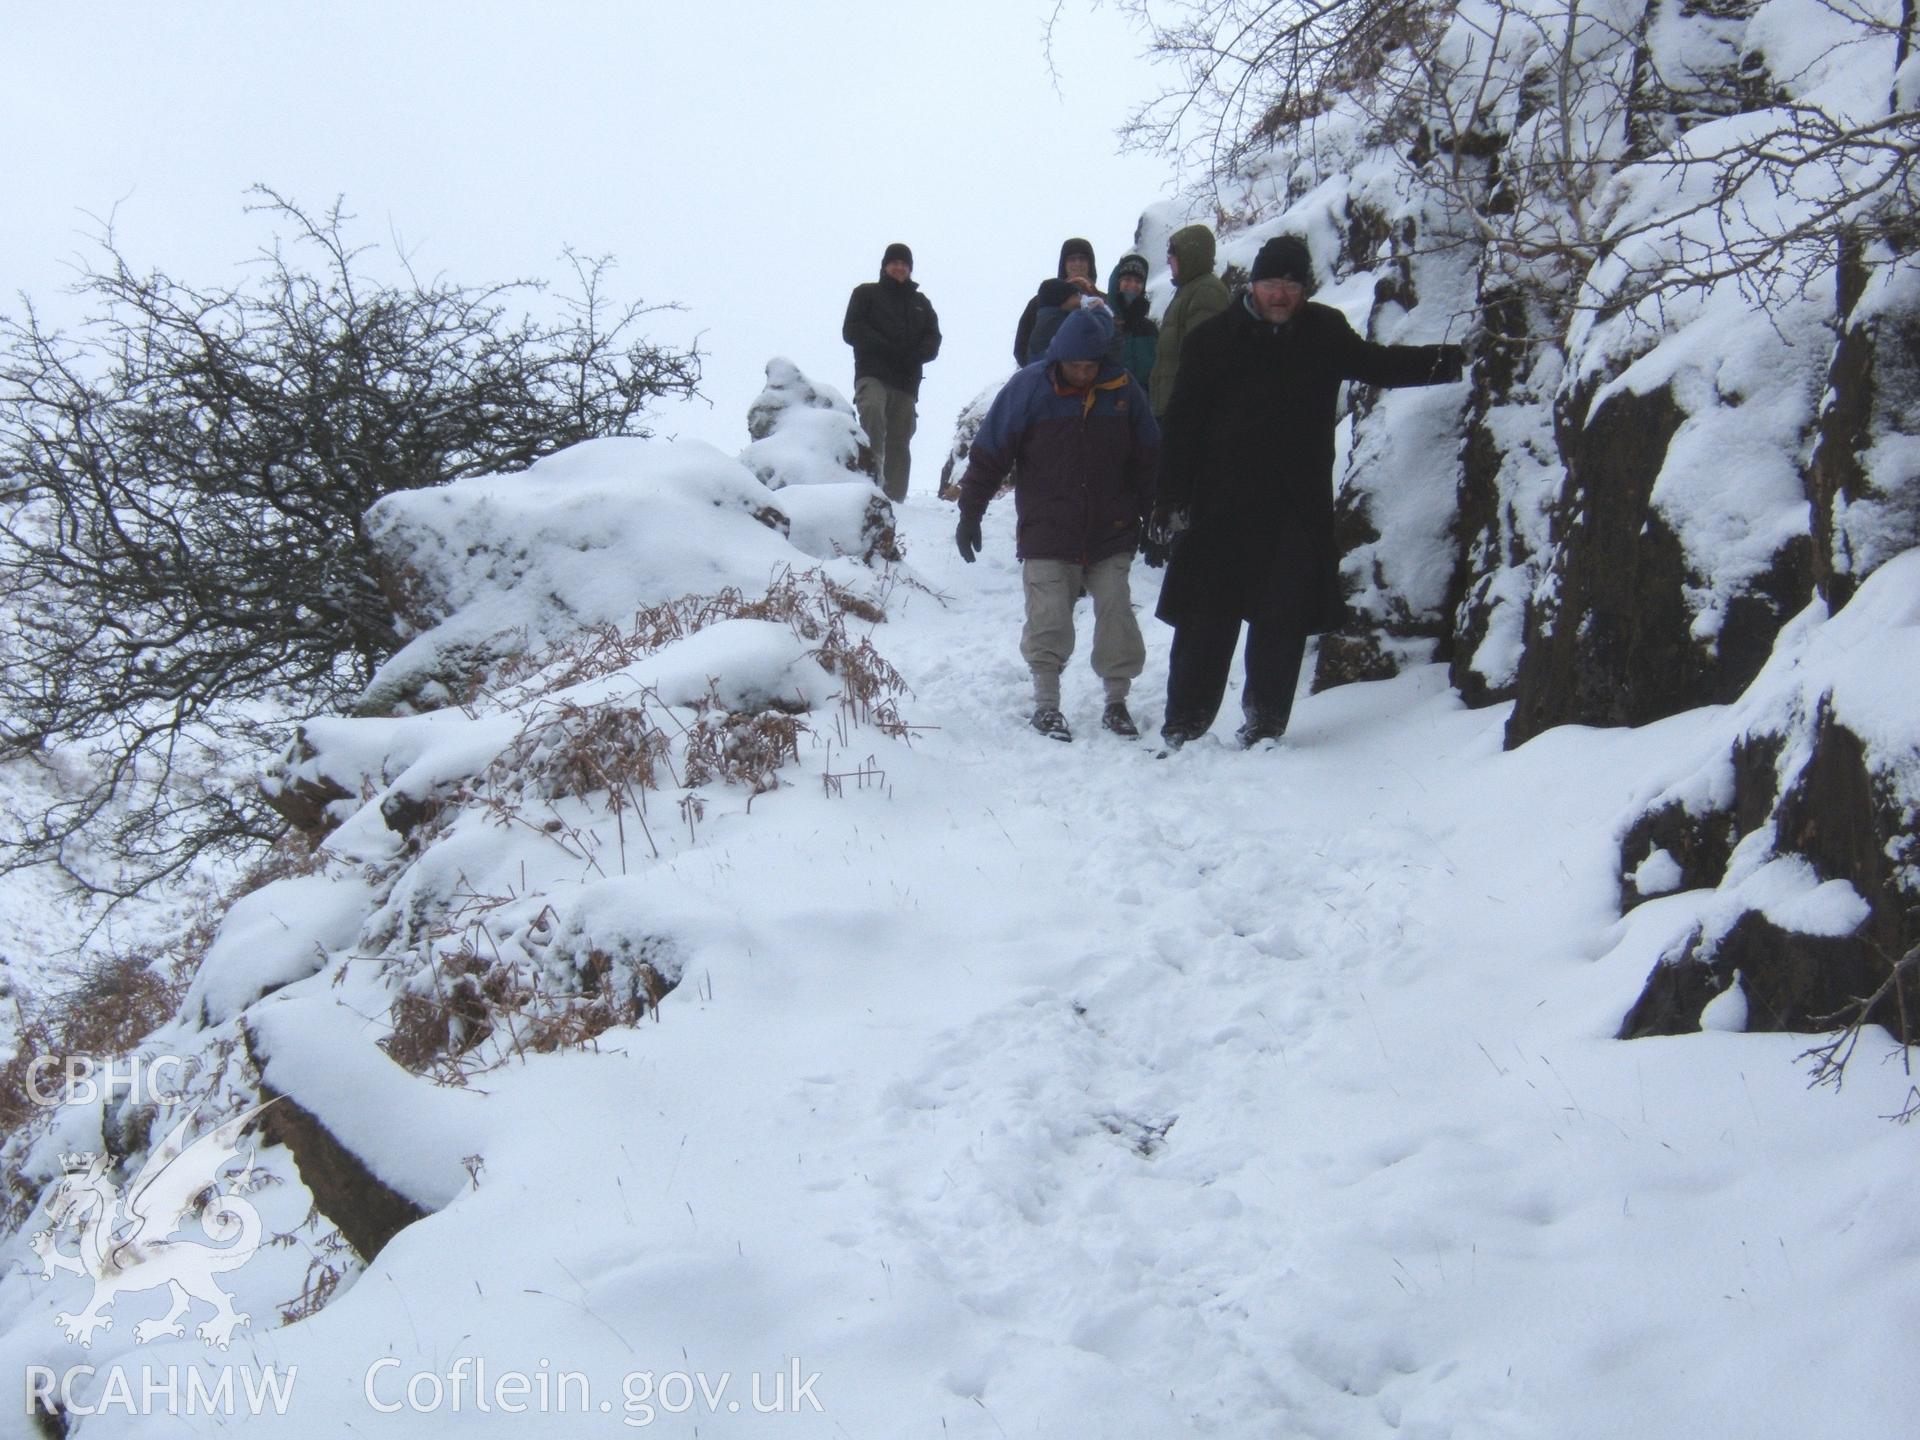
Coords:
1060,1091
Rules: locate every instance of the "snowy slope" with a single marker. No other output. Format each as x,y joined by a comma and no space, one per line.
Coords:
1061,1091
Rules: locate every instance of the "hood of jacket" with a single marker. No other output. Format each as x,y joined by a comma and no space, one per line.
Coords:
1193,248
1084,335
1129,312
1077,246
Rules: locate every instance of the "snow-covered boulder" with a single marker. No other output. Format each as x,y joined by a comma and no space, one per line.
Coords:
807,444
804,433
498,565
1786,852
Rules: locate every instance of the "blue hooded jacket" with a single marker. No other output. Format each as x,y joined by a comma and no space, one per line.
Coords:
1086,456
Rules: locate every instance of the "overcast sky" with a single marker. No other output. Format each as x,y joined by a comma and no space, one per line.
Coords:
749,159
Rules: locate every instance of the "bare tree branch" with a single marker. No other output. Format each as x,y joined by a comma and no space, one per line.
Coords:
181,535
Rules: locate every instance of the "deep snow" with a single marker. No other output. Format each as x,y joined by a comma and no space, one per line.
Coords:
1060,1091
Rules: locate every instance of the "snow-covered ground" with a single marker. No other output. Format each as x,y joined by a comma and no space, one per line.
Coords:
1063,1091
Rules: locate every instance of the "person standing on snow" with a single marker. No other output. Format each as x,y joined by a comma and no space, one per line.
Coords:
1076,268
1086,445
1198,296
1248,465
894,333
1139,336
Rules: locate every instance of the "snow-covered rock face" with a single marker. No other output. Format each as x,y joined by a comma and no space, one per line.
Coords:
1661,464
1787,852
1866,465
1627,526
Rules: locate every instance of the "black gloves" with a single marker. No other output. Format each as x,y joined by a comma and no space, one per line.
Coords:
967,537
1166,522
1452,363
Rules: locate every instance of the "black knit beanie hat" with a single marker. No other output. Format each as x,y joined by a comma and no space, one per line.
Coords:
1284,257
896,251
1131,265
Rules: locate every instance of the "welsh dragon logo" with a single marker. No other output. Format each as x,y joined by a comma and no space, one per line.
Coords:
126,1239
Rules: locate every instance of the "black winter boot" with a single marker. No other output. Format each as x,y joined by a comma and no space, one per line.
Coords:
1051,723
1116,719
1258,728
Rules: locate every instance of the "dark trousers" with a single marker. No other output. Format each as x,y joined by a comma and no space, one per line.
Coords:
1202,658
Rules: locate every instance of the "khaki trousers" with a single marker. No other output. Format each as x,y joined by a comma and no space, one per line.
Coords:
1052,586
888,416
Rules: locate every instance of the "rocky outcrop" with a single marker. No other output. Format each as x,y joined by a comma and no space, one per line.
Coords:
1842,816
333,1095
1394,505
1791,852
1680,542
1614,619
366,1211
1510,473
965,427
303,798
808,445
1864,479
803,433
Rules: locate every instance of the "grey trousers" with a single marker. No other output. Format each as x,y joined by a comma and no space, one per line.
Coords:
1052,586
888,416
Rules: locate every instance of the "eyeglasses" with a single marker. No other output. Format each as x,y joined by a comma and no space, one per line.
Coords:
1291,288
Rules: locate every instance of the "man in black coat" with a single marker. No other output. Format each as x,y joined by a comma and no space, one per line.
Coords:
894,332
1246,465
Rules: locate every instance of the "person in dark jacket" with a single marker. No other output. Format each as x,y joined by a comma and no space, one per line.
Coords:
1076,267
1247,468
1139,336
1086,445
1055,300
894,333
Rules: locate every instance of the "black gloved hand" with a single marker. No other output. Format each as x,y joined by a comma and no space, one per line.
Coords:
967,537
1452,363
1164,523
1154,552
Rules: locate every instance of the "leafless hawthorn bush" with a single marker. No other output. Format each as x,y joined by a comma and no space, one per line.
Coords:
182,485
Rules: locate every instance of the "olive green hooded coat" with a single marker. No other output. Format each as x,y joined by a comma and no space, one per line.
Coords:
1198,295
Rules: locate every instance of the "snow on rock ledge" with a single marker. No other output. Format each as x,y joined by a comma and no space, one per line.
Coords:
1791,835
